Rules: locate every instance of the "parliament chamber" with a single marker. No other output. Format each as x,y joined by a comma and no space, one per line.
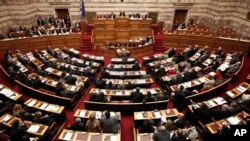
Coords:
124,70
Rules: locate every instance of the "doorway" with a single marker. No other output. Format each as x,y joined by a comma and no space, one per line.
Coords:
61,13
179,19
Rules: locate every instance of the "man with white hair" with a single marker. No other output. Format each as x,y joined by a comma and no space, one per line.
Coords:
162,134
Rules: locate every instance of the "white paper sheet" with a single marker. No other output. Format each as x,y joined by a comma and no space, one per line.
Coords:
157,114
43,106
48,108
82,113
112,114
139,115
32,103
98,115
6,118
1,86
33,128
113,138
118,93
211,103
233,120
6,92
68,136
230,93
55,108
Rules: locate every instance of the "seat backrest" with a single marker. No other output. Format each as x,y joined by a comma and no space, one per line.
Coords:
4,137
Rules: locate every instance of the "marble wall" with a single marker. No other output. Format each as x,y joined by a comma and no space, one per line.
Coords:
214,13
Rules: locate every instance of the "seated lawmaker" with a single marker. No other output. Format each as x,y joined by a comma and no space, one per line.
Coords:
18,131
180,122
147,126
179,135
109,124
136,96
100,83
77,125
162,134
46,119
93,124
149,97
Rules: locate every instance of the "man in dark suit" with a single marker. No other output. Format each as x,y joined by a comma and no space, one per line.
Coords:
41,72
129,86
112,15
202,113
179,136
100,83
136,96
161,72
162,134
70,79
77,125
135,66
40,21
178,99
18,132
180,122
149,98
105,74
163,96
13,74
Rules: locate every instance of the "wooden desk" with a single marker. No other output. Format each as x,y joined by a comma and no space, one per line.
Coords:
10,94
181,41
156,114
144,137
67,135
83,113
52,83
233,120
154,91
120,61
119,67
8,119
126,74
38,43
211,103
45,106
37,63
237,91
99,59
86,63
137,82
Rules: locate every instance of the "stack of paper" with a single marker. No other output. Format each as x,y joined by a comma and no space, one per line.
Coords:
55,108
43,106
233,120
113,138
68,136
211,103
48,108
139,115
6,118
82,113
112,114
157,114
98,115
230,93
33,128
243,88
32,103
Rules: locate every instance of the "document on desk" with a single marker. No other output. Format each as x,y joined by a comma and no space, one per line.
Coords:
32,103
98,115
55,108
233,120
211,103
230,93
242,88
68,136
113,138
218,101
43,106
139,115
112,114
6,92
118,93
157,114
141,81
6,118
82,113
33,128
1,86
48,108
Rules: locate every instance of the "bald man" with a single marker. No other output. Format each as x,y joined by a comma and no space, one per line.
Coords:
162,134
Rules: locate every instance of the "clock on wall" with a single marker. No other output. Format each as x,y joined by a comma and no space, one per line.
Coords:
248,16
